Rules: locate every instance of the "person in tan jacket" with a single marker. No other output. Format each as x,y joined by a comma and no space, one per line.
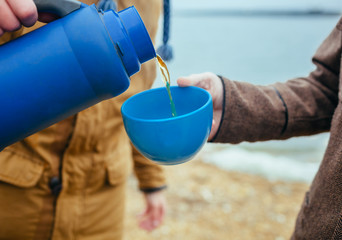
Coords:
302,106
68,181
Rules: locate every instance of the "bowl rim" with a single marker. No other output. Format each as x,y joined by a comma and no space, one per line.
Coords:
209,101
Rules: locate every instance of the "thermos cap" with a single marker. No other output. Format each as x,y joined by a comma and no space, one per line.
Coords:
138,34
129,37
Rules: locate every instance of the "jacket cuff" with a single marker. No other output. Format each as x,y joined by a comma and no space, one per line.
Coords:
152,190
252,113
286,111
223,108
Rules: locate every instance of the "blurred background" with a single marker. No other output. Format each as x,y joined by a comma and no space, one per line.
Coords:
245,191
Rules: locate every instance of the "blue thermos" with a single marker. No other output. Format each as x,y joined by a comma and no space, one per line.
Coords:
68,65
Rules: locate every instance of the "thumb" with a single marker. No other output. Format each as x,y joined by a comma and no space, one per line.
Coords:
185,82
213,126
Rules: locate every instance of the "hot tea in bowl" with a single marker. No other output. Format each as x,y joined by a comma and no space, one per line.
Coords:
164,138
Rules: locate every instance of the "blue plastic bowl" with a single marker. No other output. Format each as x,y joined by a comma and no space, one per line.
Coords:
162,138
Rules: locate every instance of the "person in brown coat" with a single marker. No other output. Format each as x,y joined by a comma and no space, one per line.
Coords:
298,107
68,181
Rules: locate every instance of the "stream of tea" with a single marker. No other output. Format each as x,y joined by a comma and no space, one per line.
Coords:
166,78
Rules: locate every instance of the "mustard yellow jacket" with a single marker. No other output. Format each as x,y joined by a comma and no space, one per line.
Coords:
89,153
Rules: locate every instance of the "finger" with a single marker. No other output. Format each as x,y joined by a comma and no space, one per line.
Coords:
146,225
185,82
192,80
162,212
1,32
211,135
8,21
25,11
217,116
214,129
144,221
151,220
155,218
202,80
142,215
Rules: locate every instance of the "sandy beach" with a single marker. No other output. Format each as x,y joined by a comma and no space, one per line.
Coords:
205,202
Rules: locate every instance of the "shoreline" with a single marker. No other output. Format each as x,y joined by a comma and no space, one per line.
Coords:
205,202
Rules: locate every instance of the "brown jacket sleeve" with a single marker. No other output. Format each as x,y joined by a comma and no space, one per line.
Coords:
301,106
150,175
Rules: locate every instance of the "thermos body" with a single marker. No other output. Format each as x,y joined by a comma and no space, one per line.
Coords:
67,66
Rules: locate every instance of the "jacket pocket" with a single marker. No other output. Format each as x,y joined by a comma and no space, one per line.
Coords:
117,174
119,164
17,170
22,200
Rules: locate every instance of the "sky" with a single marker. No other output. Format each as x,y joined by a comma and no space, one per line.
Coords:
326,5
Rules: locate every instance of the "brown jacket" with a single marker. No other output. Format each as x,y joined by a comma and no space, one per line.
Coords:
302,106
89,153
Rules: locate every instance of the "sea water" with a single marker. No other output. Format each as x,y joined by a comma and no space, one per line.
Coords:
259,49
